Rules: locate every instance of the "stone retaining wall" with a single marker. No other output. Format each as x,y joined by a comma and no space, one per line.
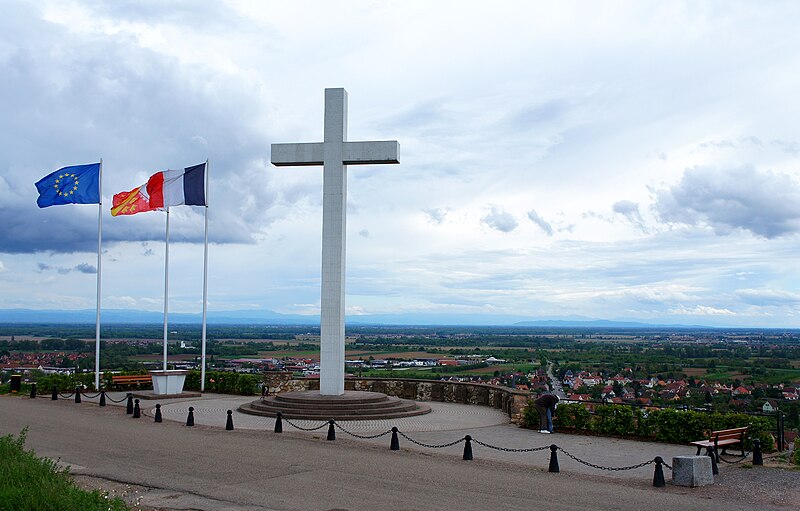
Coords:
512,402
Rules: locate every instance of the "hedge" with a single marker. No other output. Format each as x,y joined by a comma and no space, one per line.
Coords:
667,425
224,382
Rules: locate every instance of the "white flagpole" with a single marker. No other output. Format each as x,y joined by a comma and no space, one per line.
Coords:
99,272
166,289
205,292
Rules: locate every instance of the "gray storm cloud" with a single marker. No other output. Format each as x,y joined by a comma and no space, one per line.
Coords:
141,112
765,203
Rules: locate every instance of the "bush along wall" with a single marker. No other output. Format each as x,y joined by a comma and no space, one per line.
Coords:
666,425
224,382
68,382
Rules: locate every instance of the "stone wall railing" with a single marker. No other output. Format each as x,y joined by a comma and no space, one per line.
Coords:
511,401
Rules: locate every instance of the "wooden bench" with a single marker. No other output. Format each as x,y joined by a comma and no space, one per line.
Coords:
131,379
722,438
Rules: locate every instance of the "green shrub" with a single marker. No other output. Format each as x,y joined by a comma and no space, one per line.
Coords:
613,420
796,454
530,416
668,425
31,483
572,416
224,382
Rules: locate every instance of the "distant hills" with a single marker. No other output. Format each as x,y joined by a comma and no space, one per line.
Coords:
266,317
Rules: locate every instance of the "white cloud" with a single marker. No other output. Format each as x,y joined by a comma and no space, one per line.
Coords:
768,297
701,310
500,220
541,222
436,215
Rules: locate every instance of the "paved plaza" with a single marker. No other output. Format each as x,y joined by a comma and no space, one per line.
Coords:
171,466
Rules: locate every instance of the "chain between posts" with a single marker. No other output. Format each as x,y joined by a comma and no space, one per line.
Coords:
87,396
66,396
114,400
741,459
611,469
363,437
429,446
508,449
301,428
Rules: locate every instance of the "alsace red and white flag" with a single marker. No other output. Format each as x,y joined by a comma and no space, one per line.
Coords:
163,189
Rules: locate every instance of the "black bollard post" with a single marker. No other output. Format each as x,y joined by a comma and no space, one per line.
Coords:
710,454
781,432
102,398
331,431
279,422
395,445
77,394
467,448
137,412
190,417
33,390
757,458
229,422
553,459
55,393
658,475
158,413
129,406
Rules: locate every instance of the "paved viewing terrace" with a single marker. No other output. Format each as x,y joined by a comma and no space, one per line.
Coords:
171,466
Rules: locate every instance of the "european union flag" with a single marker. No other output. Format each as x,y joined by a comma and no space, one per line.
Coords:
78,184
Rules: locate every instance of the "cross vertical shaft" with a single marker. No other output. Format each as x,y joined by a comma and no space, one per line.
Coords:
334,154
334,230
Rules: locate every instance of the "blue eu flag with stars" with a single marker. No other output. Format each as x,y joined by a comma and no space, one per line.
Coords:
78,184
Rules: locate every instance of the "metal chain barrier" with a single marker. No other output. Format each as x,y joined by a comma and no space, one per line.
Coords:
87,396
66,396
114,400
429,446
741,459
507,449
611,469
301,428
363,437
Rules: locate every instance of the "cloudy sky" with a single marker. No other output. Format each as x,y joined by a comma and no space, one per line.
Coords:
614,160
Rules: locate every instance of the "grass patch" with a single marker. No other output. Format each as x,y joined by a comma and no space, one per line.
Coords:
31,483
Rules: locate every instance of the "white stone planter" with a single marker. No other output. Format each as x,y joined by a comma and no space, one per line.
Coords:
168,382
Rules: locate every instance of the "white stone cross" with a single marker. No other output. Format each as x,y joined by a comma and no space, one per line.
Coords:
334,154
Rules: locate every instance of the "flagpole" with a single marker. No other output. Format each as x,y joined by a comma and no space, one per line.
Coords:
99,273
166,288
205,292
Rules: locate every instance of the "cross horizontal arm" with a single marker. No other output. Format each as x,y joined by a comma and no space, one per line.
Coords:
365,153
290,155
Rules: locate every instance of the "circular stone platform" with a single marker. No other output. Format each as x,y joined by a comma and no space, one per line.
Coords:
352,405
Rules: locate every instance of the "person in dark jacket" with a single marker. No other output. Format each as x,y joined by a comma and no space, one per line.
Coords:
546,405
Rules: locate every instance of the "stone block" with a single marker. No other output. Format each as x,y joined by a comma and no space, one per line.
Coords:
692,471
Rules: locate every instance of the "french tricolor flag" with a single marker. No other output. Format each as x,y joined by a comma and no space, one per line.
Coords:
177,187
